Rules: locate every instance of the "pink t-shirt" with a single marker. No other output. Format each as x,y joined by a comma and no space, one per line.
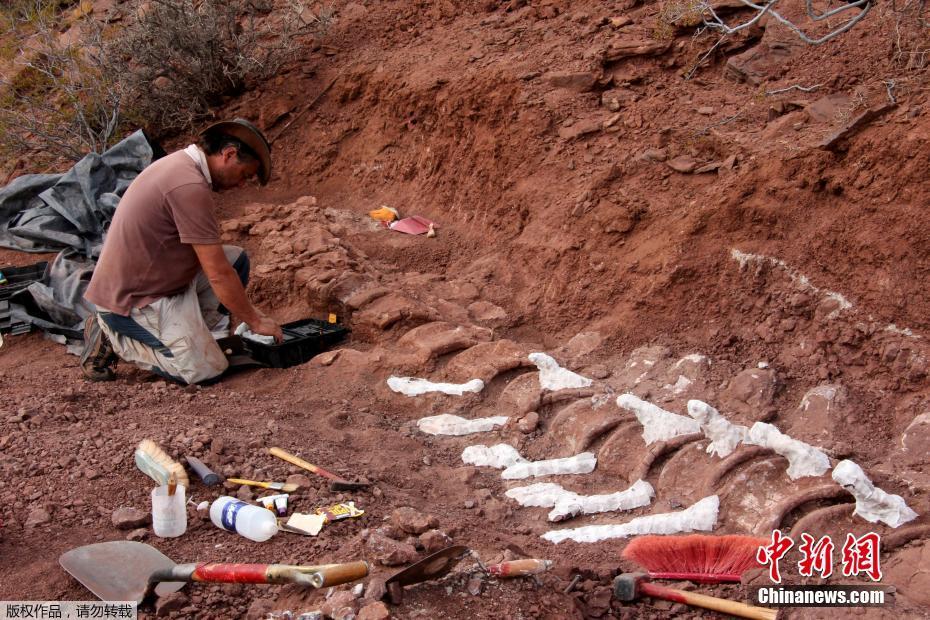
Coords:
147,254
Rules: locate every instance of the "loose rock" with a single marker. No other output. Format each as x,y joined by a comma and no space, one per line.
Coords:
576,81
374,611
390,552
170,603
245,493
259,609
529,422
683,164
138,534
412,521
375,590
128,518
299,479
37,516
434,540
338,603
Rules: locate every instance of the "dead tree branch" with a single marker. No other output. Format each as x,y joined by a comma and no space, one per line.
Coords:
803,89
715,22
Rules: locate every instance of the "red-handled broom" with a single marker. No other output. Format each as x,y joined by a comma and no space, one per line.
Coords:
696,557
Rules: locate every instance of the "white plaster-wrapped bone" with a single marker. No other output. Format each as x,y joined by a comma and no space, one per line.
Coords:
554,377
701,516
658,424
500,456
539,495
872,504
583,463
638,495
566,504
724,435
412,386
448,424
803,459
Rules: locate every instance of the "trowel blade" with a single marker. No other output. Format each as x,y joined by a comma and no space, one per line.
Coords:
431,567
118,570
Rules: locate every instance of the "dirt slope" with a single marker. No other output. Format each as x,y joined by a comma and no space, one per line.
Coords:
793,266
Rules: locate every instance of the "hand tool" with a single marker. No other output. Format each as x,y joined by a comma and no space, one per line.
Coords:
630,586
157,465
431,567
277,486
338,483
519,568
206,475
129,571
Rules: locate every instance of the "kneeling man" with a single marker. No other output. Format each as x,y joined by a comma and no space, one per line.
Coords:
164,282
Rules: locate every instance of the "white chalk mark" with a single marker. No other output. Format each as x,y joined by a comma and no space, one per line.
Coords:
796,276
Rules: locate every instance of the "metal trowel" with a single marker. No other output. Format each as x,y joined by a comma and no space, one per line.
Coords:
130,571
431,567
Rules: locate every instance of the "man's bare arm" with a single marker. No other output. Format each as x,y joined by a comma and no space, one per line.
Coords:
230,292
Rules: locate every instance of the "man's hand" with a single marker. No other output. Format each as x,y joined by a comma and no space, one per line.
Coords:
229,291
267,326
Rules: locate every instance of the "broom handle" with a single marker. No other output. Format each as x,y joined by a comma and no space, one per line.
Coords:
697,577
708,602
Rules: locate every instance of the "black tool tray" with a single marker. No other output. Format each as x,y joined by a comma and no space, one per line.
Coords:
18,279
302,340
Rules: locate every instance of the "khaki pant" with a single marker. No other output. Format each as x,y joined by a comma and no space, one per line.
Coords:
175,336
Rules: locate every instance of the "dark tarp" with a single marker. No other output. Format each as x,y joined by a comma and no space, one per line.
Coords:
68,212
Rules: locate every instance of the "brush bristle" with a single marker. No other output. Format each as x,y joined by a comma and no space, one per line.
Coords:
695,553
159,456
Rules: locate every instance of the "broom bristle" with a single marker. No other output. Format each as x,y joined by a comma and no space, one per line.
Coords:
161,458
696,553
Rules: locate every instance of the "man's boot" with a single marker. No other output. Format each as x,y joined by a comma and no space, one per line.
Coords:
98,359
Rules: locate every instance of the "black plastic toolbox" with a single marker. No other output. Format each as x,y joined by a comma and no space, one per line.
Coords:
13,281
302,340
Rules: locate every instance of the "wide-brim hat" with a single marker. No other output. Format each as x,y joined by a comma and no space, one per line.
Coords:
249,135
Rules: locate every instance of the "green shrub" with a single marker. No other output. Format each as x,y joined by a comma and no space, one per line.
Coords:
181,57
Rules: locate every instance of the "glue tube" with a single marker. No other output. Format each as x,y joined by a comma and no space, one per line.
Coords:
276,503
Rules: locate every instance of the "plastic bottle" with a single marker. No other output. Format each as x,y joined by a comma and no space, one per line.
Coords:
234,515
169,511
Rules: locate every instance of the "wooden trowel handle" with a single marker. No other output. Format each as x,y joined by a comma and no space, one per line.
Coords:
299,462
336,574
238,573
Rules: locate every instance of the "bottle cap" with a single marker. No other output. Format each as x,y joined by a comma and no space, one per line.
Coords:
268,527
